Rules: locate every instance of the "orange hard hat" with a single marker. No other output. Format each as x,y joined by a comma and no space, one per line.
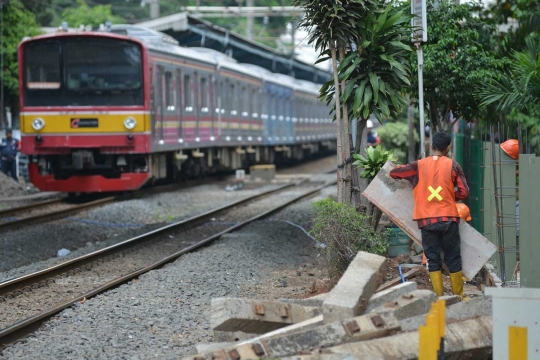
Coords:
464,212
511,148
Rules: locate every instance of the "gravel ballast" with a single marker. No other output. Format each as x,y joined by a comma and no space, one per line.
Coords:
164,313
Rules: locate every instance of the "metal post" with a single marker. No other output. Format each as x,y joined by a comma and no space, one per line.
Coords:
410,123
154,9
420,56
249,32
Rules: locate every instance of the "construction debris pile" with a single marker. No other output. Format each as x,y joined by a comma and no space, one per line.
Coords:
358,318
9,187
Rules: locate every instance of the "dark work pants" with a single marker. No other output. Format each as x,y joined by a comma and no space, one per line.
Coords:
443,235
9,166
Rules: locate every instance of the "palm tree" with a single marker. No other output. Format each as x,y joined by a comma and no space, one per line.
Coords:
518,90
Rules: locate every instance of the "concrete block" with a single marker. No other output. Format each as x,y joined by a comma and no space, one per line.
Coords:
350,296
232,336
480,306
256,316
471,339
264,172
314,301
412,304
360,328
210,347
450,299
291,329
390,294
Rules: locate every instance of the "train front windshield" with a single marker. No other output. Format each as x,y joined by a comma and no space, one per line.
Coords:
83,72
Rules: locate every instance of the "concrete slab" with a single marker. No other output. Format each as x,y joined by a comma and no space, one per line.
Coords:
360,328
232,336
472,337
314,301
209,347
409,305
387,295
450,299
350,296
395,199
256,316
463,310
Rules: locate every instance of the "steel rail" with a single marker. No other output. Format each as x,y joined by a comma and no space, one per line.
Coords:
53,214
31,206
19,329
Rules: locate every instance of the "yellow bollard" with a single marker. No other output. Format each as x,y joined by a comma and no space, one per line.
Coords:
432,319
428,336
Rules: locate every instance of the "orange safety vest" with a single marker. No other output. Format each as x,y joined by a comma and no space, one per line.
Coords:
434,194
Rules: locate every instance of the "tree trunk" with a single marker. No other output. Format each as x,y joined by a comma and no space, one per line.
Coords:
340,170
377,214
347,191
410,122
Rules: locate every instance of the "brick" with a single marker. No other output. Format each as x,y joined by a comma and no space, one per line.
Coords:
450,299
350,296
408,305
256,316
390,294
470,338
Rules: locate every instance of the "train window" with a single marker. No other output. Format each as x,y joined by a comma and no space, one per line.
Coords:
188,95
204,94
232,100
42,62
169,91
255,103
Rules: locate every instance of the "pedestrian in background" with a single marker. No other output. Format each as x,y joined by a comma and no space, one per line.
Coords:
8,150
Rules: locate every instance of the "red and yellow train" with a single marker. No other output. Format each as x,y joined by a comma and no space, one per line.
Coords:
112,111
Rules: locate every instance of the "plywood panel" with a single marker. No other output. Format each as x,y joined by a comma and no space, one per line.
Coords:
395,199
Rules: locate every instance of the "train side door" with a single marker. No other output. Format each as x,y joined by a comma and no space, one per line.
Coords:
169,128
159,104
189,118
179,85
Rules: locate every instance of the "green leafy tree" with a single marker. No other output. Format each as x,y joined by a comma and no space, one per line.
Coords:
455,61
86,15
17,23
370,40
394,136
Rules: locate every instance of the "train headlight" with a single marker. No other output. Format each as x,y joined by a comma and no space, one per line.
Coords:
130,123
38,124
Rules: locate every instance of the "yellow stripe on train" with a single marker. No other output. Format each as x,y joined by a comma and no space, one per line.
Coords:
84,123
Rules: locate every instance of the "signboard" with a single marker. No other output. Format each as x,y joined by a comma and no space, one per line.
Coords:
419,22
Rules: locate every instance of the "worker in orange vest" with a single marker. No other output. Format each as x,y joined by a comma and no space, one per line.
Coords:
438,182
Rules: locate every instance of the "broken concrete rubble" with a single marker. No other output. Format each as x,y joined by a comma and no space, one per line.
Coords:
350,296
360,328
480,306
390,294
471,338
256,316
408,305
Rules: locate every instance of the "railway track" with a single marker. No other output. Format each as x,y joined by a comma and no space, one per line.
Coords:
27,301
60,207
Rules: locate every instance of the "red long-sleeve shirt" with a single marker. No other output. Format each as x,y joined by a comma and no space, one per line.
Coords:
410,172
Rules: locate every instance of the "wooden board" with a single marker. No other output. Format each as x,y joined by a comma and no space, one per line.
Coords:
395,199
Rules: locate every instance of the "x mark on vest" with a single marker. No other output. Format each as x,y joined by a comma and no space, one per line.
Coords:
435,193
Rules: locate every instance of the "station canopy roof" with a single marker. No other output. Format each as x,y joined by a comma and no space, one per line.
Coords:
191,31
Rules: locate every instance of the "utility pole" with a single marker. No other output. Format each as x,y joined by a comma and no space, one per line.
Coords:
410,124
419,36
249,31
154,9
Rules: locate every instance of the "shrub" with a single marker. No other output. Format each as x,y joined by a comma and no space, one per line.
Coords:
395,136
344,232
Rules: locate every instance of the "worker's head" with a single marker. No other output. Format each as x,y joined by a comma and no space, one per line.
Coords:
441,142
9,133
369,125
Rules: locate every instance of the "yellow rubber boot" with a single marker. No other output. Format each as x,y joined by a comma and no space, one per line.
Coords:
436,282
456,279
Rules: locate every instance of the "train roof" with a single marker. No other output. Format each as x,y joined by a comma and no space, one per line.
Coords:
161,42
